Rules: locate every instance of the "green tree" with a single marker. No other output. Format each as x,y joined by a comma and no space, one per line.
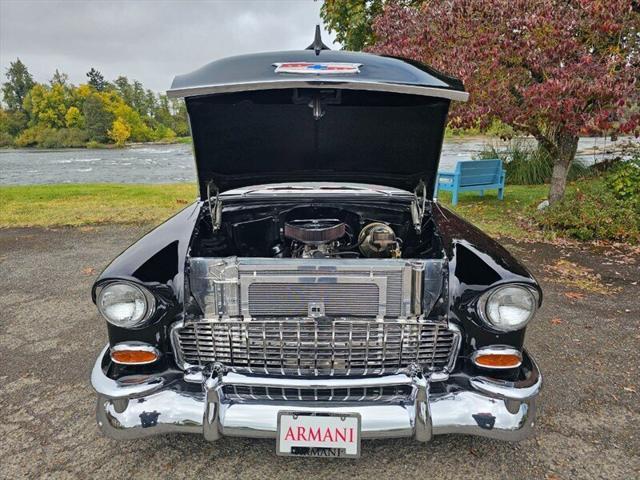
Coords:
124,89
19,83
151,103
96,80
12,123
60,78
162,113
97,119
180,123
351,20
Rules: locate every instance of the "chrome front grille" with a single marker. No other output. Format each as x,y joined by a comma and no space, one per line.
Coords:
308,347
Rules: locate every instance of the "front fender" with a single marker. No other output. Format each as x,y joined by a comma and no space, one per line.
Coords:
156,261
477,263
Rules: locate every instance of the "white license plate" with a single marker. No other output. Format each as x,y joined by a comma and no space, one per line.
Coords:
318,434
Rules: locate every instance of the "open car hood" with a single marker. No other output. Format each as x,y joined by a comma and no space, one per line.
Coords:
380,122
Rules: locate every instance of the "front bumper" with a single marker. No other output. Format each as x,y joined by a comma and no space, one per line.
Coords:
175,402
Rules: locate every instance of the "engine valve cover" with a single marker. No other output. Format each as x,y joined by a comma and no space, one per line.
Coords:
315,232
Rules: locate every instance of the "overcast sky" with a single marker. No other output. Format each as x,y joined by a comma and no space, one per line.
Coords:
147,40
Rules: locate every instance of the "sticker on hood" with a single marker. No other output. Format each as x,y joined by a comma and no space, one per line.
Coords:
320,68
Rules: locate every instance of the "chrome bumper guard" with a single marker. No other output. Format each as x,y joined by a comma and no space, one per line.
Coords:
140,406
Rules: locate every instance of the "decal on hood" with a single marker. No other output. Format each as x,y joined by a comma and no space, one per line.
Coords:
318,68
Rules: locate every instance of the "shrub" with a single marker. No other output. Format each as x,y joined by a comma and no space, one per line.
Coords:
6,140
526,164
162,132
31,136
45,137
624,180
72,137
592,211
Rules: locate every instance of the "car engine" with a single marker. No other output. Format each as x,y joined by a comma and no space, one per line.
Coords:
332,238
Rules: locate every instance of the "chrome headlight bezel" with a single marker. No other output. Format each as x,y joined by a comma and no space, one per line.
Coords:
146,295
486,297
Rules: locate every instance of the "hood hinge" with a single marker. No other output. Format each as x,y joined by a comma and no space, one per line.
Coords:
215,206
418,206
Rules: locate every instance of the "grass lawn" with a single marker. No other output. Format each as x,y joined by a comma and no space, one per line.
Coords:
511,217
91,204
96,204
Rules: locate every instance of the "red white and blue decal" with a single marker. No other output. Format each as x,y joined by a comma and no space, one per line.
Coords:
317,68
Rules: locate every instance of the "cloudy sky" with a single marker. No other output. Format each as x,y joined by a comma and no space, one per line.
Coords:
147,40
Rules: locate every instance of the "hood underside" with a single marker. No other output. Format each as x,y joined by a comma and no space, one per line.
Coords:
272,136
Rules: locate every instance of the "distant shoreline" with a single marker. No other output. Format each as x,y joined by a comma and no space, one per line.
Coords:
106,146
187,141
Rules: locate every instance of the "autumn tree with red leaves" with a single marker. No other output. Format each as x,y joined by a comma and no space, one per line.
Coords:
553,69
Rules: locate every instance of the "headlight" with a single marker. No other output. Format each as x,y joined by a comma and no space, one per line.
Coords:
125,304
509,307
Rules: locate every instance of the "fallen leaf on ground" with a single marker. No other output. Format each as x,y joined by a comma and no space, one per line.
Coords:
574,295
556,321
88,271
629,389
573,275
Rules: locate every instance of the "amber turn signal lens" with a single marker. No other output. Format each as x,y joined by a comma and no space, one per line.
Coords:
133,357
498,360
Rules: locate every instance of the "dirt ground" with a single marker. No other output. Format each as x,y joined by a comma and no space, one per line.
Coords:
585,338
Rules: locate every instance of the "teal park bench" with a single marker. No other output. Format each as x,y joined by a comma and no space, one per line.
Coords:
475,175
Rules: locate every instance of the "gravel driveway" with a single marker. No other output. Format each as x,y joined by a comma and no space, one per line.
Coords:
585,342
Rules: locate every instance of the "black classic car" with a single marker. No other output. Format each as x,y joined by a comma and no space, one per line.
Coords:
315,293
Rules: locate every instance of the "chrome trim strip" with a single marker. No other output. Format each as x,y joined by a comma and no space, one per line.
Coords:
175,345
324,83
496,350
455,349
232,378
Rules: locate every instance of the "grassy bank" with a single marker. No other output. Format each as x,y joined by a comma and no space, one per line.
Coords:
91,204
77,205
96,204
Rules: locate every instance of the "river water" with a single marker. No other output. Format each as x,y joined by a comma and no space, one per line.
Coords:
174,163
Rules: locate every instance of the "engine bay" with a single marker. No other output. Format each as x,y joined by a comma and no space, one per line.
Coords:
316,230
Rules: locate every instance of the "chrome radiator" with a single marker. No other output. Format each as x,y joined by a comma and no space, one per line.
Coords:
311,347
373,288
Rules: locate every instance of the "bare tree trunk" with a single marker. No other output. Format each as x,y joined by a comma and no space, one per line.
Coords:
566,146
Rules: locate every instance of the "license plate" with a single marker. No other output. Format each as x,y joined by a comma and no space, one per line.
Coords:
309,434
